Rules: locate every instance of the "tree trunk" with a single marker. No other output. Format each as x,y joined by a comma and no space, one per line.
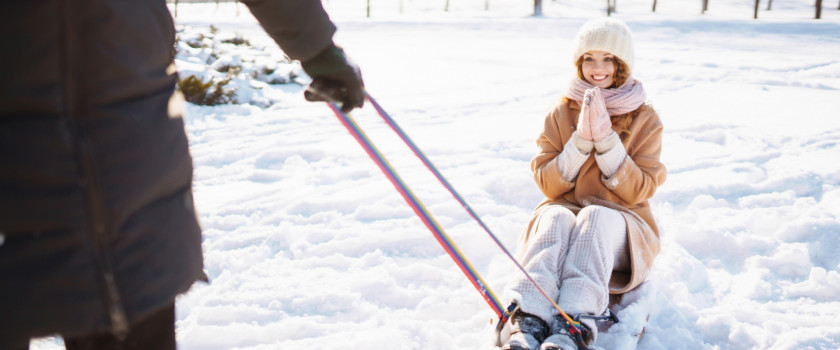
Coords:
176,9
538,8
769,3
487,5
755,11
819,9
446,7
654,6
705,6
368,8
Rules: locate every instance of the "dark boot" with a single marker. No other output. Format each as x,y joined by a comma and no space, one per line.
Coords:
527,332
561,338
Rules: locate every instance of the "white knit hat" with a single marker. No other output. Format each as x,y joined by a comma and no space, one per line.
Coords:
605,34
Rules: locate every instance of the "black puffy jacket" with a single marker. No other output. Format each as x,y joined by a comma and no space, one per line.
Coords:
96,210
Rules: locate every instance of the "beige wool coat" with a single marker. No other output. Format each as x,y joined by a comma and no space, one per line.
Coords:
627,191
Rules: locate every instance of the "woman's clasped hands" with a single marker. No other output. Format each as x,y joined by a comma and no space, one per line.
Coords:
594,123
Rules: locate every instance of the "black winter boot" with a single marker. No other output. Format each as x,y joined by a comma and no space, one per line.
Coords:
561,338
527,332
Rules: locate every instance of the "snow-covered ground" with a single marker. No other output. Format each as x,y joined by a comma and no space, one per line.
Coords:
308,246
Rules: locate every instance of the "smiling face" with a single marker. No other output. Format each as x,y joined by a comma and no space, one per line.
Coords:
598,68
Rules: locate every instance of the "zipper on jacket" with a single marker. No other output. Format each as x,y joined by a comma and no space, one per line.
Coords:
93,190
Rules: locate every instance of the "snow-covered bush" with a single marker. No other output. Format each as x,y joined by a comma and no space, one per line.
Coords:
217,67
210,93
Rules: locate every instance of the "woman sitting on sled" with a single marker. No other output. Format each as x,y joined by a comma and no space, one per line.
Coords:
598,164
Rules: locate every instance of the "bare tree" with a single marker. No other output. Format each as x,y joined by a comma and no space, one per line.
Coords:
819,9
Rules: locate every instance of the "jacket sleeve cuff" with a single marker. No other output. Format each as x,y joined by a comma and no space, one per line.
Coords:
619,177
611,160
570,160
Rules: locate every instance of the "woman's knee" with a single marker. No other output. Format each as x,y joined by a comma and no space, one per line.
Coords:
594,213
554,222
597,218
558,217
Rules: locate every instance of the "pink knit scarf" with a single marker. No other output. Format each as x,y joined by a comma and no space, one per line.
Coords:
623,99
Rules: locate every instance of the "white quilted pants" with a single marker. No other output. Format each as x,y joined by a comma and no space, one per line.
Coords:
572,259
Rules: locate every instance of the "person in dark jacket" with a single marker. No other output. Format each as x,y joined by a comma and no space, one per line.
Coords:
98,231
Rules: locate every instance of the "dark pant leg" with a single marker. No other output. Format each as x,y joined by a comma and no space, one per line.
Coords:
156,331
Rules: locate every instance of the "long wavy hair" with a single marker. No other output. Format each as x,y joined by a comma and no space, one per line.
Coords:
619,78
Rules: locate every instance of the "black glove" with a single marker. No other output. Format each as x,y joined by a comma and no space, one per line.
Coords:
335,79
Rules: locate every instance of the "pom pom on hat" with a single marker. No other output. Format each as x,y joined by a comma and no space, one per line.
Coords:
605,34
